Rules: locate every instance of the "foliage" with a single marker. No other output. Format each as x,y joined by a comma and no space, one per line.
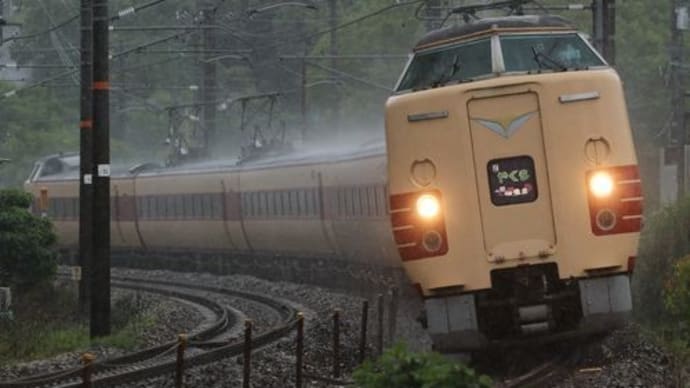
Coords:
677,292
27,257
47,323
665,238
400,368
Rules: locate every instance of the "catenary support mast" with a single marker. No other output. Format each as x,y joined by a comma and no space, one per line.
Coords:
100,279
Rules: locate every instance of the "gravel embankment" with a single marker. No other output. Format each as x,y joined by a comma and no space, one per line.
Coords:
621,359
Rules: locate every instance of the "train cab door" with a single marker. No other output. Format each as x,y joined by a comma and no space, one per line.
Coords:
512,176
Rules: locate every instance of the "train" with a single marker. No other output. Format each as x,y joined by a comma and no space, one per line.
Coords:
516,200
507,189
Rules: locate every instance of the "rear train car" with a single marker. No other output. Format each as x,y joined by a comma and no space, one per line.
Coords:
318,217
516,202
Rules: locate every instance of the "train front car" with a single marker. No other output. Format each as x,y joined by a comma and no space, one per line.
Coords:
515,197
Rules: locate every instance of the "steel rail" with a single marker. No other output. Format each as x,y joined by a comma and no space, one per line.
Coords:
159,360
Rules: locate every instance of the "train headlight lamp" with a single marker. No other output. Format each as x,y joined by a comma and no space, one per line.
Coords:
428,206
601,184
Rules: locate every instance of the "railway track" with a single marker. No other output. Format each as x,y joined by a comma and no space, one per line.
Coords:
218,337
550,371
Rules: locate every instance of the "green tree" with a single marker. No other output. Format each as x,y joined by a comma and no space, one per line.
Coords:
27,255
400,368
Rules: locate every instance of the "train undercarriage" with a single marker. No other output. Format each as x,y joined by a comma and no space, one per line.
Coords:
526,302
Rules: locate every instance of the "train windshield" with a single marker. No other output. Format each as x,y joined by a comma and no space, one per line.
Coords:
547,51
437,67
509,53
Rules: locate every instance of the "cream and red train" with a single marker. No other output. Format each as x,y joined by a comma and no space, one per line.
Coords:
512,192
516,202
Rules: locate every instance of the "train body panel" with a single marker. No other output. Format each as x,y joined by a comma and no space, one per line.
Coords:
357,209
124,232
281,207
461,148
181,211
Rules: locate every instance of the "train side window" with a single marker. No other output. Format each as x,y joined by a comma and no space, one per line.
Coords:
205,205
197,205
140,207
152,206
244,204
217,206
313,204
282,202
146,207
170,206
257,203
346,203
179,206
366,201
385,199
301,208
307,203
290,203
54,208
68,208
253,204
75,202
317,202
338,202
270,202
187,205
160,207
351,202
65,208
357,199
377,204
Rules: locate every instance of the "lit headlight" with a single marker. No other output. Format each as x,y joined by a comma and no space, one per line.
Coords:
601,184
428,206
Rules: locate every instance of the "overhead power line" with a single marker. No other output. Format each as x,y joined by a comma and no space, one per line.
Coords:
119,15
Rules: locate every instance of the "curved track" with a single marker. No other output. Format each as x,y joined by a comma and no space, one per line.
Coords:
215,339
551,371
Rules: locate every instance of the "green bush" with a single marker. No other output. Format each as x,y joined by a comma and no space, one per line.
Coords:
664,240
27,255
400,368
677,292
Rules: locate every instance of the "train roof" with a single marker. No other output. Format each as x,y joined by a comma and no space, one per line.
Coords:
62,166
526,22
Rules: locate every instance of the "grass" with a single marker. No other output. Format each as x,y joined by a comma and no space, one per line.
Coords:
47,323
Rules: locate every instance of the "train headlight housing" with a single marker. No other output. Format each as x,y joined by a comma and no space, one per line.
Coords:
428,206
601,184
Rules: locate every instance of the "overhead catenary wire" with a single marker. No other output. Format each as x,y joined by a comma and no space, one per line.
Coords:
120,14
15,91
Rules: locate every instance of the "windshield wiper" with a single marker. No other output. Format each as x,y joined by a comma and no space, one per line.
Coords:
545,61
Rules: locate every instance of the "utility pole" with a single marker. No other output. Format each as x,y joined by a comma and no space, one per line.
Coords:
85,158
433,14
100,279
333,50
675,150
604,28
209,81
